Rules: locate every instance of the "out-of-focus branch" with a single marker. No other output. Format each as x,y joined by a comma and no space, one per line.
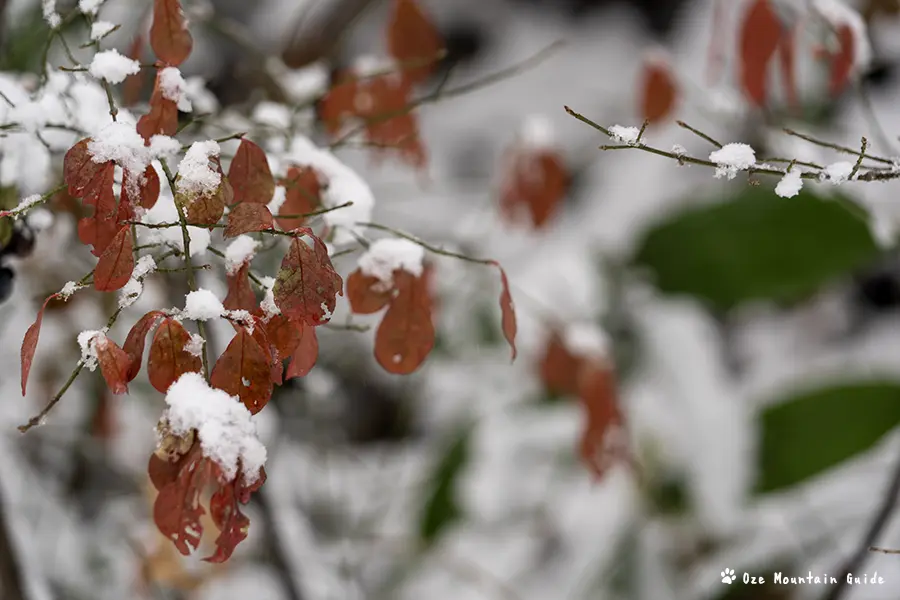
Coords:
318,37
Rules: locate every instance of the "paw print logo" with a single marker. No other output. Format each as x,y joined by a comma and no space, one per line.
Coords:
727,576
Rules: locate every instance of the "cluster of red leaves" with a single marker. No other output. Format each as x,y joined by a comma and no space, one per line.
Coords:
592,379
534,180
383,102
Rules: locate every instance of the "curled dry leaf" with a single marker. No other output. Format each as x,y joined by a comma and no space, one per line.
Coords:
233,525
169,36
507,311
413,40
169,359
307,285
302,195
406,334
136,339
250,176
240,294
659,90
29,342
305,353
243,370
601,441
536,180
247,218
760,35
116,263
114,364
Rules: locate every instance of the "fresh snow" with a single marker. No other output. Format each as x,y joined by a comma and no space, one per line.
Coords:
89,7
195,177
272,114
202,305
268,306
224,426
120,142
790,185
625,135
386,255
238,252
173,87
48,8
101,29
195,346
732,158
837,173
278,198
113,67
163,146
87,341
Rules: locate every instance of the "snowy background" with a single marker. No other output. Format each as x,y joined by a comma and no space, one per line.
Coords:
462,481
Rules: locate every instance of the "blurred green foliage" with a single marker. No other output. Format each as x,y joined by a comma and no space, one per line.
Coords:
440,508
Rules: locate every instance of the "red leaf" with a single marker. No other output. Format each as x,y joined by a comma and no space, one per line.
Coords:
307,284
339,103
148,188
162,118
658,90
162,472
246,218
116,263
232,523
177,508
240,294
405,335
599,397
302,196
842,62
413,38
29,342
759,38
137,337
205,209
82,175
168,358
366,294
384,103
508,312
306,353
283,334
250,175
99,229
559,368
537,180
114,364
786,60
133,84
169,36
243,370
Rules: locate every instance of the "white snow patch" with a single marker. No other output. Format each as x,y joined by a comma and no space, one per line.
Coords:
87,340
89,7
202,305
732,158
195,346
837,173
173,87
238,252
790,185
113,67
386,255
195,177
625,135
101,29
272,114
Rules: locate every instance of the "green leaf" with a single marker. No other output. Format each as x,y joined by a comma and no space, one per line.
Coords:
757,246
441,509
816,430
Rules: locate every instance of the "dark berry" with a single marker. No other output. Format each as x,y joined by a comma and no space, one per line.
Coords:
880,291
464,42
6,283
21,244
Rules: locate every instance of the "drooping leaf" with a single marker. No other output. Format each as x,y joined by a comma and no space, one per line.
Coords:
114,364
133,85
305,354
366,294
226,514
250,175
842,62
413,40
169,36
29,342
99,229
405,335
302,196
760,35
508,312
162,118
116,263
598,393
339,103
756,246
247,218
536,181
169,359
137,337
283,334
240,294
853,417
307,285
391,126
82,175
558,367
148,188
177,508
658,90
243,370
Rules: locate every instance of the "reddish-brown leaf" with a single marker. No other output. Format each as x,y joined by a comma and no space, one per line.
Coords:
786,53
114,364
148,188
162,472
103,421
137,337
177,508
99,229
29,342
283,334
307,285
226,514
305,354
508,312
559,368
134,84
243,370
116,263
168,358
537,181
240,294
250,175
658,90
383,102
842,61
405,335
162,118
339,103
246,218
302,196
598,393
206,209
169,36
82,175
760,35
413,40
366,294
